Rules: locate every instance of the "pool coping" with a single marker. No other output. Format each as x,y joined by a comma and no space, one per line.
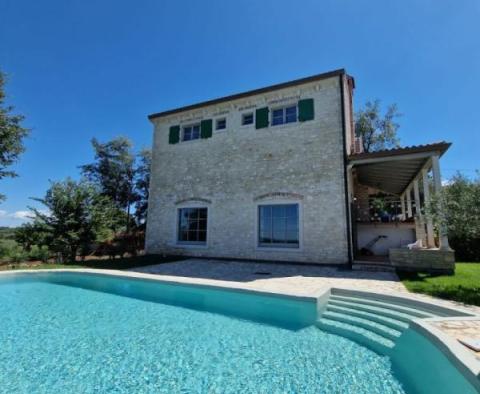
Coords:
459,355
207,283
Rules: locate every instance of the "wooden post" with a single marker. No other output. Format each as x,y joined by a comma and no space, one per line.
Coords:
426,194
419,223
409,201
402,206
416,194
437,182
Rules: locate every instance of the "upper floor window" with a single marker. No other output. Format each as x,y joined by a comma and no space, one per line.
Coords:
221,124
284,115
247,118
191,132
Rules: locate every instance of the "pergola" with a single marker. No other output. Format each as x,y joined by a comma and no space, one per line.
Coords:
400,172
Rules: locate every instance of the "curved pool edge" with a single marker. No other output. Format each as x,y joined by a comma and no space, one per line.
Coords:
457,354
460,357
180,280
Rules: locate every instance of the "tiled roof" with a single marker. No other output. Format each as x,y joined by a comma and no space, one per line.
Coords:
440,147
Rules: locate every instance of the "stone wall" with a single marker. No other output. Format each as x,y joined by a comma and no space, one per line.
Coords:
239,168
423,260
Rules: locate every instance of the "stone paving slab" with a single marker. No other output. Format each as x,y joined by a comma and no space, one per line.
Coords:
461,329
292,278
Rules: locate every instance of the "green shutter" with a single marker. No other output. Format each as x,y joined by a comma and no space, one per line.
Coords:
305,110
261,118
206,128
174,135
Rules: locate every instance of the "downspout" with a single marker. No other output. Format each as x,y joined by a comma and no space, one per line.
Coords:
345,174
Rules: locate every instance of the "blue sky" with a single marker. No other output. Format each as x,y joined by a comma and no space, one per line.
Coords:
83,69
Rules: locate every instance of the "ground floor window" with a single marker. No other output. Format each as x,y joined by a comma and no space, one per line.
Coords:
278,225
192,225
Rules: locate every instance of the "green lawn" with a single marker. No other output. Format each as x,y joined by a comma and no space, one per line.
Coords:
118,264
464,286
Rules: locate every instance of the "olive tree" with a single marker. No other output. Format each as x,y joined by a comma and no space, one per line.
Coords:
12,134
457,208
76,215
376,130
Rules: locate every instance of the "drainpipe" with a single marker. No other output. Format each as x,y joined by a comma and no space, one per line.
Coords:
345,174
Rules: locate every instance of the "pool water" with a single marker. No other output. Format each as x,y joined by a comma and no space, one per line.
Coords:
59,338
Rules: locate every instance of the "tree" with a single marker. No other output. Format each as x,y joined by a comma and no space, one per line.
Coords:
114,172
12,135
78,215
142,184
377,132
31,234
457,208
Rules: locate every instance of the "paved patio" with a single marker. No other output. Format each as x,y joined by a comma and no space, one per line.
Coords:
289,278
306,280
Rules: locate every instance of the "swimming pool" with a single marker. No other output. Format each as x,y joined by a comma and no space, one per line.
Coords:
87,333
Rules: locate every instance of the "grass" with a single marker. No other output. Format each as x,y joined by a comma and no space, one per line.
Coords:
114,264
463,286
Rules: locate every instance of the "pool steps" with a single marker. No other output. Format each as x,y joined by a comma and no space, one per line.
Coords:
369,320
382,311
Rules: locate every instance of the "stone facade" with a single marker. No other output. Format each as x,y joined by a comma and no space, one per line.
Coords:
423,260
240,167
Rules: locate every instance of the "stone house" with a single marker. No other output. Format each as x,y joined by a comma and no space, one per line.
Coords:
277,174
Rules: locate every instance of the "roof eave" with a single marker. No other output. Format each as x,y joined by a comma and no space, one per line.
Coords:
249,93
440,147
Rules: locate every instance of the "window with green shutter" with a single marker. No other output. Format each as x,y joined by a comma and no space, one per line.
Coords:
261,118
305,110
206,128
174,135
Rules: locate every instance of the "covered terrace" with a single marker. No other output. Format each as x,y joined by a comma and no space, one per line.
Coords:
389,190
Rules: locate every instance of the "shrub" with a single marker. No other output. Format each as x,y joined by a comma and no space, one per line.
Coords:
39,253
458,209
4,250
17,254
122,244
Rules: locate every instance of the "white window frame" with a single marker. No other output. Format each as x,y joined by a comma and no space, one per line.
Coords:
284,115
186,244
183,127
258,246
248,124
216,124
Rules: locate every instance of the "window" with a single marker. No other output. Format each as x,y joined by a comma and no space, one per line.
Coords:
247,119
192,225
191,133
221,124
284,115
278,225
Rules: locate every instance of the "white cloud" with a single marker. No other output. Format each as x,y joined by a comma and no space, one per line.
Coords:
25,215
13,219
446,182
16,218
